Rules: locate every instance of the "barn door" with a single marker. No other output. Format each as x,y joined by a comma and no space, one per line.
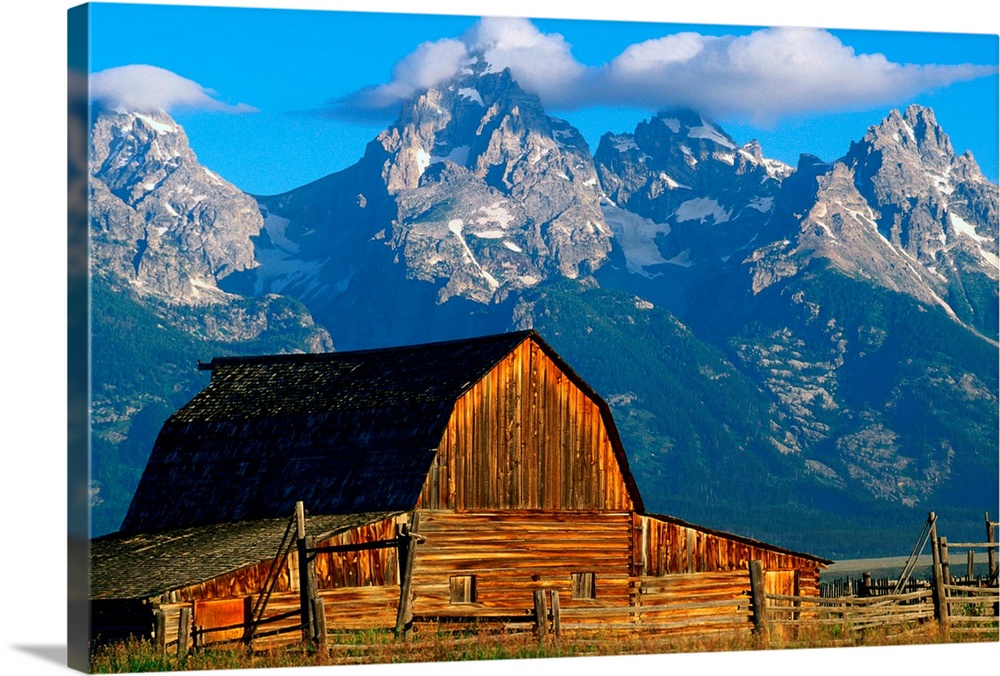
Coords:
222,619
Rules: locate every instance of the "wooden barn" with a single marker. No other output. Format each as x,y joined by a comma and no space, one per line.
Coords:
448,480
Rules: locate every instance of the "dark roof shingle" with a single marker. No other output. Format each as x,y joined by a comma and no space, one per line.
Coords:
150,564
343,432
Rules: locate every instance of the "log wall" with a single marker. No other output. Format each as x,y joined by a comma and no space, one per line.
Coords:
513,553
525,436
668,548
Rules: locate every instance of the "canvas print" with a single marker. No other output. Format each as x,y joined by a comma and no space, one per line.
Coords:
412,337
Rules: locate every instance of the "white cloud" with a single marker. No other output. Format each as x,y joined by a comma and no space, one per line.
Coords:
765,75
149,88
540,63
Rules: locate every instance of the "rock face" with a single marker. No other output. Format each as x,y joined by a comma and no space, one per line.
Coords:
817,281
900,210
474,191
169,230
162,221
703,197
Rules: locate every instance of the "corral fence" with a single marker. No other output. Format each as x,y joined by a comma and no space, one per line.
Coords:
966,605
735,603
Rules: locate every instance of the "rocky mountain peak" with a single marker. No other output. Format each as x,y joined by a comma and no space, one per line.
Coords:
914,133
166,225
169,230
923,193
484,194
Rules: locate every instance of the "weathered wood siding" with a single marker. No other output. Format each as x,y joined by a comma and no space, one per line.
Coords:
512,553
667,548
373,567
696,602
525,436
367,568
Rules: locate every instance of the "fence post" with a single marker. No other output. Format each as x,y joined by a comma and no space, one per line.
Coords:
991,560
945,561
866,585
248,620
556,619
759,598
991,557
305,598
319,615
160,629
940,595
541,614
970,566
405,556
183,632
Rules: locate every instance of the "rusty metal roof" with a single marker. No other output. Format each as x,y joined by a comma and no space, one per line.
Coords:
345,433
148,565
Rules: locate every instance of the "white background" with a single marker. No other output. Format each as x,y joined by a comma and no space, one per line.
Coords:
32,289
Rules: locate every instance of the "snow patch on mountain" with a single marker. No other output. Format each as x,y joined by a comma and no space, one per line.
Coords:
471,94
711,133
276,227
161,127
458,155
456,225
637,238
700,209
761,204
671,123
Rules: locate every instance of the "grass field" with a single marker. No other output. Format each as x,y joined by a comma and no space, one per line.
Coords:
428,646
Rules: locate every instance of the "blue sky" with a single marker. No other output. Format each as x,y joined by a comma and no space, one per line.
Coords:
272,99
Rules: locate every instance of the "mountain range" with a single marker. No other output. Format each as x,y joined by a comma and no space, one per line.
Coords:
806,355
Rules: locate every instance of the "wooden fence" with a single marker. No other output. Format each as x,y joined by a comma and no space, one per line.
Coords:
733,603
969,605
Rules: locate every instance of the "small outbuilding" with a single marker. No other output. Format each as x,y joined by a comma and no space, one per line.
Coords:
443,481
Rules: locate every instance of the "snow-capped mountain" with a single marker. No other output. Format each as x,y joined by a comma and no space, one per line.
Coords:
162,221
474,192
688,179
169,230
901,210
824,333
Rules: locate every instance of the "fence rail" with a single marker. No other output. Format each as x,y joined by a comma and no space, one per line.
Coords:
719,602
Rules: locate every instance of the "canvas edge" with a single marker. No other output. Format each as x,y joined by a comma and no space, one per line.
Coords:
78,344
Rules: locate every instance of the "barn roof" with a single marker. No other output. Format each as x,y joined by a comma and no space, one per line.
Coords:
150,564
344,432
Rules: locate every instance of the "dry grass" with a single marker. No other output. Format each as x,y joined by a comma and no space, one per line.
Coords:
428,645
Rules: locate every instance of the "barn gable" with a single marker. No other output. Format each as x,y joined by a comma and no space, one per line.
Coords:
359,432
530,434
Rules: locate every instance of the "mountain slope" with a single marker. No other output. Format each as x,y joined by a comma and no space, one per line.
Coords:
164,232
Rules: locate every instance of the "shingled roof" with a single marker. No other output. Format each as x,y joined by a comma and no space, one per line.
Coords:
150,564
346,433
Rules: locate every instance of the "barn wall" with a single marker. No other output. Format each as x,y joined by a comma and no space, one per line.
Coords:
375,567
369,568
513,553
667,548
526,437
